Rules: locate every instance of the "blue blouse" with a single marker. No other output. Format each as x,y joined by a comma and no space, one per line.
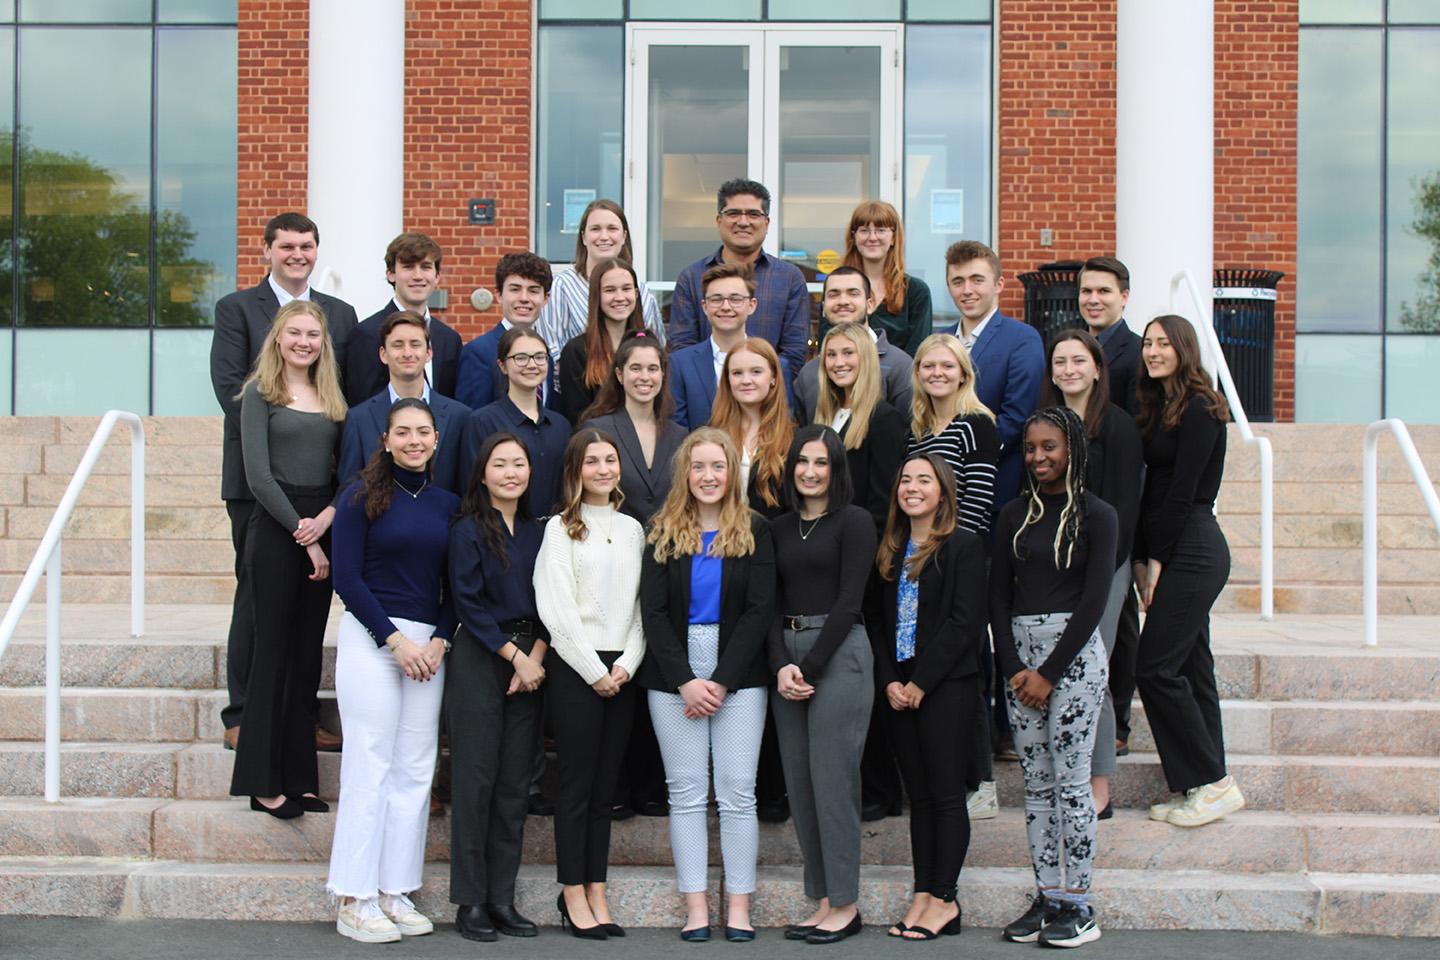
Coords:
907,609
705,582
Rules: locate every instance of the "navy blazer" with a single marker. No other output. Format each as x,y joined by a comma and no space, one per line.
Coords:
645,488
242,320
1122,358
366,376
479,383
1010,364
368,420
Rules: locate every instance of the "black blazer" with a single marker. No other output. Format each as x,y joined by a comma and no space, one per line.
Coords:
1121,347
366,376
876,463
952,617
747,605
645,488
242,319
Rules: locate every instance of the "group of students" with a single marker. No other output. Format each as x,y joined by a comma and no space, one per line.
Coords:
783,555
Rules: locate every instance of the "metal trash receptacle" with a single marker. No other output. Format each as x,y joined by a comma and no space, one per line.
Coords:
1244,319
1052,297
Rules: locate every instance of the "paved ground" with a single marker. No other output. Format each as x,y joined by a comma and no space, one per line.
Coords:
33,939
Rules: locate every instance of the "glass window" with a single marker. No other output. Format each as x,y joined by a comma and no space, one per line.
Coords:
1337,379
947,10
695,10
1414,11
85,11
1339,189
85,177
7,344
7,179
1341,11
181,360
947,148
1411,364
198,11
582,9
580,136
81,372
834,11
195,157
7,10
1412,242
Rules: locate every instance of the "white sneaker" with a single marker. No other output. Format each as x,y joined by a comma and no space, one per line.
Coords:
983,804
364,921
1161,811
1208,803
408,920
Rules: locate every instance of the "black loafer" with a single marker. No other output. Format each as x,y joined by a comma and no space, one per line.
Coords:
312,804
835,936
739,935
509,921
697,935
474,923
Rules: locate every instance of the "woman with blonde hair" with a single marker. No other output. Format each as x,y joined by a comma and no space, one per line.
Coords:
947,417
707,595
751,408
291,409
875,243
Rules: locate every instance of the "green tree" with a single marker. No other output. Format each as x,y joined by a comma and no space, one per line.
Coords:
1423,316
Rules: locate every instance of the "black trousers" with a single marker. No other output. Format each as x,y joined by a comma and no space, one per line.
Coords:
240,643
591,733
493,739
642,775
1174,668
277,745
925,746
770,775
879,777
1122,662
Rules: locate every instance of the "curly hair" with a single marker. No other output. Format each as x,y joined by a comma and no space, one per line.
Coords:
1071,531
675,528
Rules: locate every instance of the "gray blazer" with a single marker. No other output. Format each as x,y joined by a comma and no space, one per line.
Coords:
645,488
894,371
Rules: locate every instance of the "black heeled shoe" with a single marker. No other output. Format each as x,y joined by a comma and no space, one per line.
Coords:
288,809
510,922
835,936
312,804
596,932
613,929
1107,813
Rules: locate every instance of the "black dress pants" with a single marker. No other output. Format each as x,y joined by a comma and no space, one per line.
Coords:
642,775
1122,662
276,754
591,733
1174,667
879,777
240,642
493,739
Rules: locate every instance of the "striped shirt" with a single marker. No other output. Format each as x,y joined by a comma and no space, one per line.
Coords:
971,446
568,310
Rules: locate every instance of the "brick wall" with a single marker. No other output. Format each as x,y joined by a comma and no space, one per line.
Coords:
273,119
1257,57
467,134
1057,135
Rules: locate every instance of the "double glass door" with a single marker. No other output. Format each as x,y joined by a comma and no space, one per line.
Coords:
812,112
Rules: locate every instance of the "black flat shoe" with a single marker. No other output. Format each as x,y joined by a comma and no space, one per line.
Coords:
697,935
739,935
871,812
835,936
1107,813
799,931
613,929
621,811
653,808
474,923
773,811
288,809
539,805
313,804
596,932
509,921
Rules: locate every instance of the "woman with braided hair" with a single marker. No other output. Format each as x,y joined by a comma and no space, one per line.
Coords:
1050,576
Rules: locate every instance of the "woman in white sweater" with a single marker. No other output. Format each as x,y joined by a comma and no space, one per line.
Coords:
587,581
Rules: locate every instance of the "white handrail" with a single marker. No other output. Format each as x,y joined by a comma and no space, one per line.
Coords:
1205,330
47,561
1371,474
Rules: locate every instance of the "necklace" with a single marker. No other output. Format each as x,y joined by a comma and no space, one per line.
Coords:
416,494
800,525
609,525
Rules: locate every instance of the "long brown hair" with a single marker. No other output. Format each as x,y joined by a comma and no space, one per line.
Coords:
776,427
627,253
675,529
1157,405
376,480
572,490
881,214
897,523
923,418
268,373
598,351
862,397
1099,399
612,395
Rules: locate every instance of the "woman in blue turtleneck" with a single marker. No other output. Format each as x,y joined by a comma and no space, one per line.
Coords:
391,540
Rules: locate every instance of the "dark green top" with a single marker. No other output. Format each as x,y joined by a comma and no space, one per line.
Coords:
908,328
284,446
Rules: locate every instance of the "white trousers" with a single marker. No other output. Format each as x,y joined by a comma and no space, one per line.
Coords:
392,728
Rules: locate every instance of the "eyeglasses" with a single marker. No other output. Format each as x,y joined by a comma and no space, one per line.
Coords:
529,359
870,230
736,300
732,214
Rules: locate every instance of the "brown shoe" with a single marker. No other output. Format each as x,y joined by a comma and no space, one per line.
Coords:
327,741
437,809
232,737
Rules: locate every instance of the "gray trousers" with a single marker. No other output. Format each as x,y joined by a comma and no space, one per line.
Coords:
821,741
1102,760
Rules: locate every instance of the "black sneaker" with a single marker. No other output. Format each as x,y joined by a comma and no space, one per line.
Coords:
1027,928
1074,926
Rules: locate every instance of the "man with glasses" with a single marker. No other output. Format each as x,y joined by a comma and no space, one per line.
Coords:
782,304
728,301
522,281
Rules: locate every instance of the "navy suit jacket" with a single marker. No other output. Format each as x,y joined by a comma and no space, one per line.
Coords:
692,384
368,420
242,320
1009,364
366,376
479,383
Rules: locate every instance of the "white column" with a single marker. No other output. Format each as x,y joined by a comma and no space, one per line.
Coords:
1164,152
357,144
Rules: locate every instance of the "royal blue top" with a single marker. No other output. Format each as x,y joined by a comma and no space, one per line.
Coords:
487,590
395,566
705,582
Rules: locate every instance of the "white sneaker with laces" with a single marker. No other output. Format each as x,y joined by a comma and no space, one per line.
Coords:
1161,811
1208,803
983,804
364,921
408,920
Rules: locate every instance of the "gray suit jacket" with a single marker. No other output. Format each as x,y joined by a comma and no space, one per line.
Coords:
645,488
894,370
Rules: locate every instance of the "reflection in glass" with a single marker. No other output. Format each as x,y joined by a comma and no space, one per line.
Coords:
195,174
699,138
834,11
1411,364
695,10
581,118
81,372
85,177
1338,196
181,360
7,13
1337,379
85,11
198,11
1412,243
947,10
829,145
582,9
1342,11
7,179
947,149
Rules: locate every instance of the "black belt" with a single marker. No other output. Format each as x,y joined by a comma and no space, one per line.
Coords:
520,628
797,623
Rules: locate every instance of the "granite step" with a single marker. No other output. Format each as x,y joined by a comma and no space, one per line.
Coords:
1318,598
114,588
93,769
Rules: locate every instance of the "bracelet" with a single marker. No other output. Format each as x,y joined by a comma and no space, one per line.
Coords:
517,653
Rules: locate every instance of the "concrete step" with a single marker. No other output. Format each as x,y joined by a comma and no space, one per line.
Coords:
1311,531
114,588
212,558
1316,727
1396,495
1314,599
1338,566
113,523
93,769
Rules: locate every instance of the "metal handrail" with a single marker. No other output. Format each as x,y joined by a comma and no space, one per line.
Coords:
1371,509
47,561
1206,332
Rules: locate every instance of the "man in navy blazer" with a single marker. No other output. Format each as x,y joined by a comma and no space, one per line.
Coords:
242,321
523,281
1104,292
412,265
405,350
1008,355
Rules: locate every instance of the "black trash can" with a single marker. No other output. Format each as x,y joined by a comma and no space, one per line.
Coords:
1244,317
1052,297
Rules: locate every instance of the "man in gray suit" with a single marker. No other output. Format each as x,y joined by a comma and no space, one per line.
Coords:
242,319
847,298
